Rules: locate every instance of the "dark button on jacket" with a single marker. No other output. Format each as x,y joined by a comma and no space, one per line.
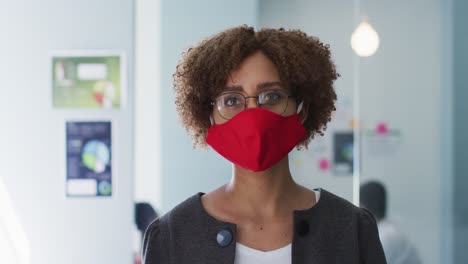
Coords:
333,231
224,237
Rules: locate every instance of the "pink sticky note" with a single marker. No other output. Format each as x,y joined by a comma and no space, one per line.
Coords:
324,164
381,129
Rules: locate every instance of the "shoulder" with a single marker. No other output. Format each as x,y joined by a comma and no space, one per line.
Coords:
359,221
188,209
337,207
151,248
155,246
340,207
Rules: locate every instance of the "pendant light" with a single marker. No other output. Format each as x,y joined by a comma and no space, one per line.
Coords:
365,40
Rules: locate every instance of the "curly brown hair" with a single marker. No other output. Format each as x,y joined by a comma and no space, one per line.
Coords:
303,62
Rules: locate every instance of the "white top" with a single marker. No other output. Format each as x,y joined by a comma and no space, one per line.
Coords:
398,249
247,255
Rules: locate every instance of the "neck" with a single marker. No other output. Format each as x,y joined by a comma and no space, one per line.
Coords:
267,193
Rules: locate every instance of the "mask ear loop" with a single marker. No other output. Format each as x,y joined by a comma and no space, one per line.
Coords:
212,120
299,108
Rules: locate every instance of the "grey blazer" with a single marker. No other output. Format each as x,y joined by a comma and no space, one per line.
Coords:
333,231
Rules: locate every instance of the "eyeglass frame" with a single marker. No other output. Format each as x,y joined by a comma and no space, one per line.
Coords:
213,103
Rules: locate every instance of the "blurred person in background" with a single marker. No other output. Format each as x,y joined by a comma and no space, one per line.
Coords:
398,249
144,215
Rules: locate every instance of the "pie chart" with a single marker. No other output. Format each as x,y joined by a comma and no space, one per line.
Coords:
96,156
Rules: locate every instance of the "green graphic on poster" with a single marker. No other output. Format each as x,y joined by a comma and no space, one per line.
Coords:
88,81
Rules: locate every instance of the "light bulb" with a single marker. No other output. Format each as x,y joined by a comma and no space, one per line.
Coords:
365,40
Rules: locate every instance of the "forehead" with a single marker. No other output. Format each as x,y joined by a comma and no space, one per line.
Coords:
254,70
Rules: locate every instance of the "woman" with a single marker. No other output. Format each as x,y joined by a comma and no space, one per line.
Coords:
253,97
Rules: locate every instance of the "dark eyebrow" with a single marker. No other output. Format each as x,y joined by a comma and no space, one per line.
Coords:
267,85
234,88
260,86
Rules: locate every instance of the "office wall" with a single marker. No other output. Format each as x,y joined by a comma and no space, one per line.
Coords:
186,171
399,85
61,230
460,78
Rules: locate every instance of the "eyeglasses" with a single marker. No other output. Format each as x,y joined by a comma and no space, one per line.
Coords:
231,104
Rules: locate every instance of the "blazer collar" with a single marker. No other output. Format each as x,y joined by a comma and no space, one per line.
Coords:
303,220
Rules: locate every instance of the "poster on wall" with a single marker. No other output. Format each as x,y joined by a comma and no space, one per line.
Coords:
87,79
343,153
89,158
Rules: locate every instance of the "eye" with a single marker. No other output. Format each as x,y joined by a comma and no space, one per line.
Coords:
271,97
231,100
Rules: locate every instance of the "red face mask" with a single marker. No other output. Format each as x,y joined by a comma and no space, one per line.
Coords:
256,139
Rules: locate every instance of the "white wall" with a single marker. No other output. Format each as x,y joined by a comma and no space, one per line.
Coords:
400,84
60,230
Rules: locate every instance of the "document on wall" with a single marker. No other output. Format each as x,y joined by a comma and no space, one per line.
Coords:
87,79
89,158
343,153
